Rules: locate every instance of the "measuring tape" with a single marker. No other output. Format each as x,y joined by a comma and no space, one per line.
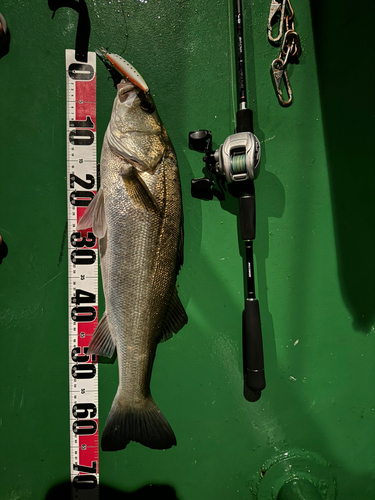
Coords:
82,276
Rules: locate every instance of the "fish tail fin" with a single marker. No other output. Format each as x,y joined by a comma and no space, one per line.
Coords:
145,424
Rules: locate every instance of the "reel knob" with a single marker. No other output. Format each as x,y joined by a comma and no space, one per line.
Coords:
201,189
200,140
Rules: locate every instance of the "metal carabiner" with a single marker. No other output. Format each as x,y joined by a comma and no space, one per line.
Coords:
274,9
291,42
279,73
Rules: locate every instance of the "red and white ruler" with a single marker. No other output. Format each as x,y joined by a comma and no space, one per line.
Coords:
82,276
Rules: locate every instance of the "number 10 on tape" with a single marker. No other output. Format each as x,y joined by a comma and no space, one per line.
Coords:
82,276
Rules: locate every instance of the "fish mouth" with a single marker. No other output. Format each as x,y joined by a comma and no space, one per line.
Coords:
124,88
128,91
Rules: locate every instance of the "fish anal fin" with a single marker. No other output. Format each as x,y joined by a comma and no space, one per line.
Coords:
102,342
175,319
145,424
138,190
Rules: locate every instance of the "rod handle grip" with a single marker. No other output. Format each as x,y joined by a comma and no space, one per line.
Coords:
247,216
253,364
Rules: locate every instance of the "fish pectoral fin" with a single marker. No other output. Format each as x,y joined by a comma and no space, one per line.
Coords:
94,216
175,319
102,342
99,223
138,190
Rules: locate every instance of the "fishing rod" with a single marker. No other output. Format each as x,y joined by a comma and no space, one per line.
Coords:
237,161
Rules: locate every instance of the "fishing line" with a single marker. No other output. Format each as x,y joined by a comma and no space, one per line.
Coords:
125,26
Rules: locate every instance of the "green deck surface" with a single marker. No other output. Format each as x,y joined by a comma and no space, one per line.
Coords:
314,254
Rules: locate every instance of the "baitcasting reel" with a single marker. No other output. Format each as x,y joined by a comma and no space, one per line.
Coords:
237,159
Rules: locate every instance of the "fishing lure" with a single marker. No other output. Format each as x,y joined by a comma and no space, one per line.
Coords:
124,68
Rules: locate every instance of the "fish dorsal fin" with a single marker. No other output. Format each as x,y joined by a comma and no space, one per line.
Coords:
138,191
175,319
94,216
102,342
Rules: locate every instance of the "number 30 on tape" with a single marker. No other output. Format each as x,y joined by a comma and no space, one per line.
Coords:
82,276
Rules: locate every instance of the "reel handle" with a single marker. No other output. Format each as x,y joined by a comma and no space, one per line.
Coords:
201,141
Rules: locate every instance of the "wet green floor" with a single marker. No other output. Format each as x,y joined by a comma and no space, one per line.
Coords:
314,255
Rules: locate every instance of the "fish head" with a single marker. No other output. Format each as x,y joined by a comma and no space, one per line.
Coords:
135,131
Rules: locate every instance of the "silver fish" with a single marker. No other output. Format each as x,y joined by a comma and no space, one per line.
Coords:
137,217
